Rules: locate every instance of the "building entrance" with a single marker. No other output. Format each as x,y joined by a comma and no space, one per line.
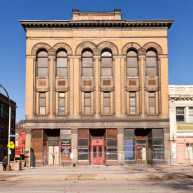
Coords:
97,146
53,155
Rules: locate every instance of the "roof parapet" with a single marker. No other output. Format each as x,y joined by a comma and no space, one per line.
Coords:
105,15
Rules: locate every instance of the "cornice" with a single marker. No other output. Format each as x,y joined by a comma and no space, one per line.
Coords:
95,23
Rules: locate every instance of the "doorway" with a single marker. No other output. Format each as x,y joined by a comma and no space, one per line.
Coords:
53,155
97,146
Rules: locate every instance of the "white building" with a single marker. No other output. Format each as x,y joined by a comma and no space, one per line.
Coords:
181,123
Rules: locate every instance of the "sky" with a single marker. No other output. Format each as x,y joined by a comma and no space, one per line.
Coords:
12,36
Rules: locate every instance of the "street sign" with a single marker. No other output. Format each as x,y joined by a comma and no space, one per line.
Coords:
11,145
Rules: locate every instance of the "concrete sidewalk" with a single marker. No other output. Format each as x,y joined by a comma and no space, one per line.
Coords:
132,172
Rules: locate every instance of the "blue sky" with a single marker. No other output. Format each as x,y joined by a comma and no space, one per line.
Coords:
12,36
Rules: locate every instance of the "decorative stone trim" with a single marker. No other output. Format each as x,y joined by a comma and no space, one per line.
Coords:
38,46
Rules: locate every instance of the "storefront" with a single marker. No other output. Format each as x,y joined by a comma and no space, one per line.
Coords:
100,146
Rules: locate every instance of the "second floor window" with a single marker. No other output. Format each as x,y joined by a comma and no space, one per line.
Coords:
180,113
61,103
132,103
190,114
87,103
152,103
62,64
106,64
42,64
42,103
106,103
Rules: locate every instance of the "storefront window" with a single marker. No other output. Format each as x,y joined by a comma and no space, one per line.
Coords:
111,144
83,144
129,144
158,144
65,137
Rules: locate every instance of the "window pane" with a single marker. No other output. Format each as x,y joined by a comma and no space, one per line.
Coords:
180,113
87,72
87,62
42,72
152,103
42,62
42,110
106,72
106,62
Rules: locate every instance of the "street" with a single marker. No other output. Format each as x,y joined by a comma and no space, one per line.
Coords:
94,180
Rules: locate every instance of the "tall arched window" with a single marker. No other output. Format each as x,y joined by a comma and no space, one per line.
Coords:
42,64
62,64
106,64
151,63
87,70
132,63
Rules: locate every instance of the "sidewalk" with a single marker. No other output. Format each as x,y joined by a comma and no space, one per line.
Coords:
132,172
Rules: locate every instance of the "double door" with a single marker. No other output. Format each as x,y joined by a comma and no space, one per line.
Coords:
141,150
53,155
97,151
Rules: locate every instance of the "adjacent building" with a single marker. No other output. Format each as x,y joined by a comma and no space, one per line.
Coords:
181,123
97,90
4,123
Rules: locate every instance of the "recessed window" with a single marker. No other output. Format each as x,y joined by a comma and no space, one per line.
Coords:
42,103
151,63
106,64
42,64
152,103
62,64
180,113
106,102
61,103
87,103
132,63
190,114
132,103
87,70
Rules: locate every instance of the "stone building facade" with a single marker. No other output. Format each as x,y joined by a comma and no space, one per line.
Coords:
181,123
97,90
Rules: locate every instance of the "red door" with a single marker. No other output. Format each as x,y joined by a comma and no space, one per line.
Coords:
97,151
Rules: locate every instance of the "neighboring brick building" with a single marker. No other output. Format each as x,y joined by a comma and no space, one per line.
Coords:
4,122
97,89
181,123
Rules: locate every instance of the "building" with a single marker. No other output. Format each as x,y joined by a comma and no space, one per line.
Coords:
4,123
97,89
181,123
20,141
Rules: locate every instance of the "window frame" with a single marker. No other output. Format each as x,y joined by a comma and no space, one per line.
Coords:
41,66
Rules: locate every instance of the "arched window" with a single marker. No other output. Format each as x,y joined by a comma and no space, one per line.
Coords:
62,64
151,63
42,64
132,63
87,64
106,64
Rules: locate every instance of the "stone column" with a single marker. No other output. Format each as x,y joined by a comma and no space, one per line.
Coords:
74,145
117,84
120,145
27,146
164,86
71,85
30,92
52,82
97,86
76,86
142,84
